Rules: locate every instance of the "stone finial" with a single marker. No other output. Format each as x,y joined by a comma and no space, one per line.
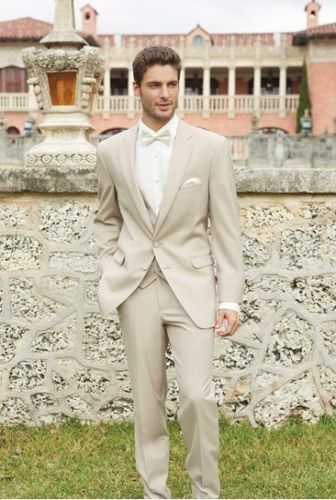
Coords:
64,31
312,9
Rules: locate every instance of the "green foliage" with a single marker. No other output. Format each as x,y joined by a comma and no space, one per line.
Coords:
82,460
304,99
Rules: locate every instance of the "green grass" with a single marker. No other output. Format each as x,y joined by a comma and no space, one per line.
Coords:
74,460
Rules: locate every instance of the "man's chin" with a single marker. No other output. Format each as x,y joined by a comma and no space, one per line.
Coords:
164,115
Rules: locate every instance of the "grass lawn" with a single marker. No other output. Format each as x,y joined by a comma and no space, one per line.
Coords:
74,460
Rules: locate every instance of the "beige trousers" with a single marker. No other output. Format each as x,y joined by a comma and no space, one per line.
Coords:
150,318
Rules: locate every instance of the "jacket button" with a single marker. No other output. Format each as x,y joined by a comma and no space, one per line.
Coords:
157,244
144,268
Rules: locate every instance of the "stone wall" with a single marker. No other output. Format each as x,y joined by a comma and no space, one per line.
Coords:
60,358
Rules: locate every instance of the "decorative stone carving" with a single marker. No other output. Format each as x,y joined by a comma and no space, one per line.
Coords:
87,63
65,75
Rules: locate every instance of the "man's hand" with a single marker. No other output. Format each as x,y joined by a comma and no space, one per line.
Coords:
227,322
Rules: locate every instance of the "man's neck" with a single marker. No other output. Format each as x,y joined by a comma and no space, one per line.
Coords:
155,125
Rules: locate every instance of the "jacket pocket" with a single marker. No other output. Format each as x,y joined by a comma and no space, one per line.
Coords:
118,256
191,185
202,260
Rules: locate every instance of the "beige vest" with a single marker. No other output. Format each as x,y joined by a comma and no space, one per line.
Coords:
154,270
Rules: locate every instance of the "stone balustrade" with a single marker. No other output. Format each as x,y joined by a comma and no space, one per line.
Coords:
14,101
188,103
255,150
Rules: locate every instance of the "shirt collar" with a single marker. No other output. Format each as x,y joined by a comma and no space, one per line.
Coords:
171,126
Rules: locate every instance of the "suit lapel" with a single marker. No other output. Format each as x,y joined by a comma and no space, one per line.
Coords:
126,158
178,163
179,160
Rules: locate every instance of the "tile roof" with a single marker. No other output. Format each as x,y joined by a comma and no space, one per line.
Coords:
321,31
150,39
24,28
29,29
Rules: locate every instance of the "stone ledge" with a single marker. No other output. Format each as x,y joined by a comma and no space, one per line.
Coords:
48,179
285,180
248,180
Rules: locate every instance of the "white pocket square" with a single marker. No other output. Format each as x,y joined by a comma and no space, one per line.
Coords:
191,182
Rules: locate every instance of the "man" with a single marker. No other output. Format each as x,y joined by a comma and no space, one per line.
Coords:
159,182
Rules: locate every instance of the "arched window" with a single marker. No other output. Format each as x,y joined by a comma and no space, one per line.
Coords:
12,131
197,41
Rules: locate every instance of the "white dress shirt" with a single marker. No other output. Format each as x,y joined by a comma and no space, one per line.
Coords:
151,168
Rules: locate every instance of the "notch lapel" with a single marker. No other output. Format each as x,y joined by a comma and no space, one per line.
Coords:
178,163
126,159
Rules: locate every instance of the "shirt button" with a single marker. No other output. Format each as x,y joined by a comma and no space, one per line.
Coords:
156,244
157,180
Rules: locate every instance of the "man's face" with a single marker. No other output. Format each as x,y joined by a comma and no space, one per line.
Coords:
158,92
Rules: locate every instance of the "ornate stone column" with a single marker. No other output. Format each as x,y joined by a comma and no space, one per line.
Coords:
181,93
257,89
131,98
232,91
206,91
107,93
282,91
66,74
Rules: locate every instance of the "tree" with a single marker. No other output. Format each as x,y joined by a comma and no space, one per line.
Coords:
304,99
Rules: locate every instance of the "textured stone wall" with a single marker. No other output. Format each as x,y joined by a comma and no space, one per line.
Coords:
59,357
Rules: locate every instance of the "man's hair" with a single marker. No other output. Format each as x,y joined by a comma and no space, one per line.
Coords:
150,56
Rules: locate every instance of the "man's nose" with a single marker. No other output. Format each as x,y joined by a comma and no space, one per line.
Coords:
164,91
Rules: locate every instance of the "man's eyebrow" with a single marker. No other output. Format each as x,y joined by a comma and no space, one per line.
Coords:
157,81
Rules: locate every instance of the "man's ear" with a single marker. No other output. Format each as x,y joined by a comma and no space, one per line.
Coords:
136,89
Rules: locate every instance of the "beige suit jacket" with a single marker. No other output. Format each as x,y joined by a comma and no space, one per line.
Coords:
127,240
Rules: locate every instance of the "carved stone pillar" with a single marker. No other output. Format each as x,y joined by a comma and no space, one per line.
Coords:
65,74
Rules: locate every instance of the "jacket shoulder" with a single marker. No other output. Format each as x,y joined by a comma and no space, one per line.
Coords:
113,142
207,136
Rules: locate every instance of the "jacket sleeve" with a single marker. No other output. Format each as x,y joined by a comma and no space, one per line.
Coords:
224,226
108,220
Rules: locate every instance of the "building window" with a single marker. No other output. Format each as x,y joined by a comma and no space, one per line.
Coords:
197,41
194,81
119,81
13,79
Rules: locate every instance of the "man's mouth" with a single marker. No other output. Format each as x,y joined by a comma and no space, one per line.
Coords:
164,105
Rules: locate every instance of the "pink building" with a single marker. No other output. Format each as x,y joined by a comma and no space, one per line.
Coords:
227,81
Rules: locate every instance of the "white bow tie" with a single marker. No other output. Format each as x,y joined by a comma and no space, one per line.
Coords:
148,138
